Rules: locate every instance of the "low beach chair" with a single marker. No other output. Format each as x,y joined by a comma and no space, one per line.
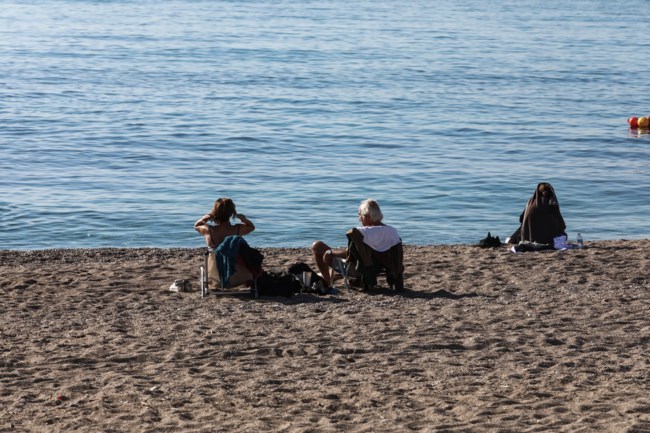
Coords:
369,263
210,278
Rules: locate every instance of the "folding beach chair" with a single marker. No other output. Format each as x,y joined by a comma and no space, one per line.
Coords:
210,278
369,263
340,265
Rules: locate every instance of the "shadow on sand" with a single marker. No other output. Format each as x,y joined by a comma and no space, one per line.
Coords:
313,298
412,294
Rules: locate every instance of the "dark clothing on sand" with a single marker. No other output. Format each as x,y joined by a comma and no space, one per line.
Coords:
542,220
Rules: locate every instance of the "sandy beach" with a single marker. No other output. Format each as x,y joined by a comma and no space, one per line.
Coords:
481,340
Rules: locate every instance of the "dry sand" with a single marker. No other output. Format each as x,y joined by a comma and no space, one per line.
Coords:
481,341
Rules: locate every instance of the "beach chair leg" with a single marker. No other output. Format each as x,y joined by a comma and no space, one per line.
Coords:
204,276
341,266
397,283
202,282
345,274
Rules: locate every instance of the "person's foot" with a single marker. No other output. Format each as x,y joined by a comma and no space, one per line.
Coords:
332,291
323,289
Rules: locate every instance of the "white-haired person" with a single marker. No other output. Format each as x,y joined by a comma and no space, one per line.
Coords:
377,235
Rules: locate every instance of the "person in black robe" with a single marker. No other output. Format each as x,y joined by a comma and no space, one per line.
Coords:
541,220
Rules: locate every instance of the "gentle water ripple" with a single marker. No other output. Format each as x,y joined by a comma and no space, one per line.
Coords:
121,122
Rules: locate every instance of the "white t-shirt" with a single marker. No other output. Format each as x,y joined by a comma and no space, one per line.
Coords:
380,238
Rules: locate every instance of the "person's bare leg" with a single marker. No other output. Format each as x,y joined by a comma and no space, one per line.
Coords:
323,255
320,250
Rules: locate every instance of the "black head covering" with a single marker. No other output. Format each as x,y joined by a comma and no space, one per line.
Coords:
542,220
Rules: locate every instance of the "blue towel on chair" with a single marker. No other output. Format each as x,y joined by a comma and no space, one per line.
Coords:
226,257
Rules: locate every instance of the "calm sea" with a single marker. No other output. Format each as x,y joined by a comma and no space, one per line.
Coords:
122,121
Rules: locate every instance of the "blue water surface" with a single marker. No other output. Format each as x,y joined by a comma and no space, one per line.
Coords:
121,121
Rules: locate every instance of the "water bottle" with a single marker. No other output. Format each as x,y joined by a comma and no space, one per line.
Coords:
581,242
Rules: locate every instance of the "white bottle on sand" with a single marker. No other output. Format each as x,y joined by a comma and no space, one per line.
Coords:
581,242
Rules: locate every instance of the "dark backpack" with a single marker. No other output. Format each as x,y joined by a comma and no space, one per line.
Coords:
280,283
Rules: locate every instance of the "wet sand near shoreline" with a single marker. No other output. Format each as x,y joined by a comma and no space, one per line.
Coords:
481,340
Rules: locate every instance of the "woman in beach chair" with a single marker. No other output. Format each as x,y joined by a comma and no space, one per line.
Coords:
541,220
370,249
230,261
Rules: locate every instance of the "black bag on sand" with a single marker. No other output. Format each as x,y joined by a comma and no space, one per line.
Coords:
299,267
281,283
489,241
